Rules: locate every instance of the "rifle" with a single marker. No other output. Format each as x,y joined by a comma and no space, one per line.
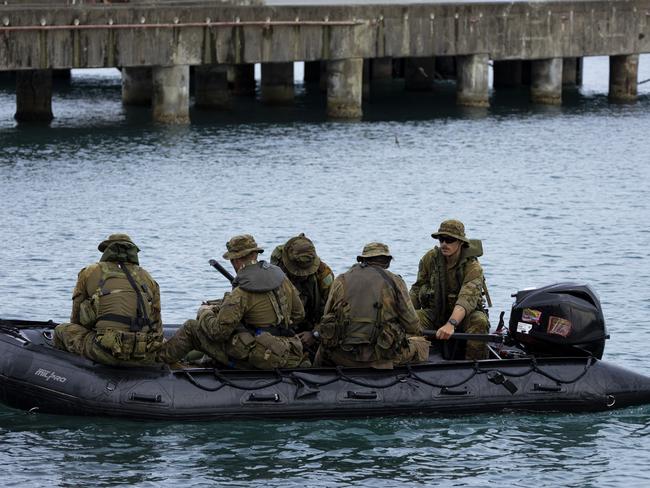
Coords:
222,270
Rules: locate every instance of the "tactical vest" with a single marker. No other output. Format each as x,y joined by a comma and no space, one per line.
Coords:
122,300
436,295
263,277
368,319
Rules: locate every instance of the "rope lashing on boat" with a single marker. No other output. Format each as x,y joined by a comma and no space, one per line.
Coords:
296,378
226,382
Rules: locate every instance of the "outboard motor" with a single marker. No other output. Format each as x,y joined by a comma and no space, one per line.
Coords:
557,320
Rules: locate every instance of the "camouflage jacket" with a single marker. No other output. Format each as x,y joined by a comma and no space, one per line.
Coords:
356,297
124,302
313,290
278,307
439,288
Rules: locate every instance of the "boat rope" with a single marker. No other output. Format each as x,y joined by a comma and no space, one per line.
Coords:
644,81
298,379
475,370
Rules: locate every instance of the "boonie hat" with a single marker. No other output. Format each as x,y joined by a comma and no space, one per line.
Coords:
240,246
299,256
123,238
452,228
374,249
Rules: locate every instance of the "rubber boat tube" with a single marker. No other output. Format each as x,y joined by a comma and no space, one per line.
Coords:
38,378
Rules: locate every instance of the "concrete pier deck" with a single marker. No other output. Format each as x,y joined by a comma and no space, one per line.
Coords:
64,34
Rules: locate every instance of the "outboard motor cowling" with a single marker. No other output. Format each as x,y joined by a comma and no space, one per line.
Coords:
560,319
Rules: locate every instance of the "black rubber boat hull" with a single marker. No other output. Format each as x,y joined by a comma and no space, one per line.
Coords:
36,377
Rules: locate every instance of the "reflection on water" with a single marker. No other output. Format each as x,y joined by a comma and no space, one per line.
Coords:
556,194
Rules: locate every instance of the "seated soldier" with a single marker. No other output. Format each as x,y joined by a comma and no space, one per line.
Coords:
251,328
311,277
448,292
115,316
369,320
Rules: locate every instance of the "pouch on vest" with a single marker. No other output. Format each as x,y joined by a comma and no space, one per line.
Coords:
276,345
88,310
389,338
241,345
111,341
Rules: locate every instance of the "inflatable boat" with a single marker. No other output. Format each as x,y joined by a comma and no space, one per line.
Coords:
548,359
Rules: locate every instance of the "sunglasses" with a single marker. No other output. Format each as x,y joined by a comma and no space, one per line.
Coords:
447,239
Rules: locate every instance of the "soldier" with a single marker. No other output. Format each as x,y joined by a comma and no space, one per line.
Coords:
448,293
368,317
251,328
311,277
115,316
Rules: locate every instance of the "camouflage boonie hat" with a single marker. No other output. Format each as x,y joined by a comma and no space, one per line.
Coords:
452,228
123,238
373,250
240,246
299,256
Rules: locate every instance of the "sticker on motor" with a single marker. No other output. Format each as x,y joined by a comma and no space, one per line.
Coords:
524,328
531,315
559,326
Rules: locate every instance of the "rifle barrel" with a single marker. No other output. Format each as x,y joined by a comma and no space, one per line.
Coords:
215,264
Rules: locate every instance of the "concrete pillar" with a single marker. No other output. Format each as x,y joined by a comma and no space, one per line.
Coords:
472,85
34,96
137,87
243,82
571,71
419,73
507,74
312,71
365,90
446,67
546,81
211,87
344,88
171,94
277,83
623,78
381,69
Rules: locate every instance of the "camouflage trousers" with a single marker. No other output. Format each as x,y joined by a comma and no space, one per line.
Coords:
416,351
475,323
85,342
243,350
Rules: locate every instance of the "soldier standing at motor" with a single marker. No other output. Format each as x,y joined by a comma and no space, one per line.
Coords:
369,320
311,276
448,293
252,326
115,316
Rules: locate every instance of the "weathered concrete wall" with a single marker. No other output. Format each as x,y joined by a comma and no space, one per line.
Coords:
521,30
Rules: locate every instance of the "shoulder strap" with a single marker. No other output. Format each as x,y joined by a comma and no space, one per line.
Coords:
387,279
142,320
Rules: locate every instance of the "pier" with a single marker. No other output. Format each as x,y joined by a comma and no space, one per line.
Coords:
162,46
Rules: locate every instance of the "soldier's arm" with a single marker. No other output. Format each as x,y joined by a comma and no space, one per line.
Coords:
79,294
156,316
335,295
471,291
297,309
422,279
220,326
408,317
325,281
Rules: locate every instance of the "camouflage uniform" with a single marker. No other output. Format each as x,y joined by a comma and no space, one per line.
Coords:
368,318
109,324
308,273
251,328
439,289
